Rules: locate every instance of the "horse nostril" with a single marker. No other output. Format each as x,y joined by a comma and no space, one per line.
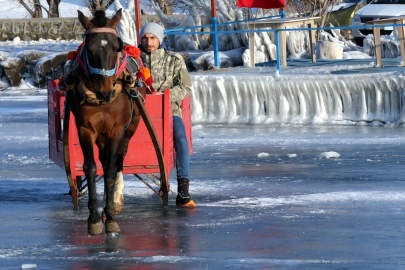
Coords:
111,94
99,95
105,97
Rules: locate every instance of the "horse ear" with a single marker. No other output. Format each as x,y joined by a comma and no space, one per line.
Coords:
84,20
121,43
116,19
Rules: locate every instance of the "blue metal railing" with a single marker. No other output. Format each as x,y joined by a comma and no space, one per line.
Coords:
221,24
289,29
214,26
216,32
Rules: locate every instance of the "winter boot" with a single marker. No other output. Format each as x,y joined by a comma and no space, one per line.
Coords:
183,197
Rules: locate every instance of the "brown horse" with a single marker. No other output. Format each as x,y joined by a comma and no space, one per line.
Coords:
105,115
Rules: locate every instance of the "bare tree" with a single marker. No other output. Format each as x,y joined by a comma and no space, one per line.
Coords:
94,5
312,8
165,5
100,4
35,8
53,8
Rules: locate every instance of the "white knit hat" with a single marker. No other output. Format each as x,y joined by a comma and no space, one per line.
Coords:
154,29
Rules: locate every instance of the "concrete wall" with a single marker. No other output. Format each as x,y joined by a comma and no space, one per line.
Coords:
49,28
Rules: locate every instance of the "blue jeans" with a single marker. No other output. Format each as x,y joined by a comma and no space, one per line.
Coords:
181,147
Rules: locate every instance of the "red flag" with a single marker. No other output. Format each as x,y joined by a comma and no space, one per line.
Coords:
267,4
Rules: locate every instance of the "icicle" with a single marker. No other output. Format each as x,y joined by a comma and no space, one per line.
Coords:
316,99
126,27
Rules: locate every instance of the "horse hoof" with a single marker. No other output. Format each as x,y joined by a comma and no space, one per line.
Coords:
112,227
119,204
95,228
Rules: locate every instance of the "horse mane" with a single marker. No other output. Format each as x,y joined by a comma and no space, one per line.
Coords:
99,20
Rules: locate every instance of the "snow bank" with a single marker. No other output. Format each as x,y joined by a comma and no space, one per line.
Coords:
28,266
262,155
328,155
389,46
205,60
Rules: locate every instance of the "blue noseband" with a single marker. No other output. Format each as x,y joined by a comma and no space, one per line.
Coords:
98,71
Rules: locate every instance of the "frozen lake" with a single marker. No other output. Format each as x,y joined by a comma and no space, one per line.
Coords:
287,209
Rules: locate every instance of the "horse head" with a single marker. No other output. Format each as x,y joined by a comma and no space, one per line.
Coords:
101,45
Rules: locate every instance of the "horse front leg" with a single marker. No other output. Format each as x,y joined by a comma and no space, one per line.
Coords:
110,178
94,222
102,156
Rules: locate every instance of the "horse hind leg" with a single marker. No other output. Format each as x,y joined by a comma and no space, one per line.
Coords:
110,178
111,225
119,184
118,196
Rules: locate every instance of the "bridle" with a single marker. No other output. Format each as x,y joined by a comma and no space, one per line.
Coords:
98,71
88,69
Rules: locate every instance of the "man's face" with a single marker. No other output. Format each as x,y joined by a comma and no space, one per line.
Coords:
150,43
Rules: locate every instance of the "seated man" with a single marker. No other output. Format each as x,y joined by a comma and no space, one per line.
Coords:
169,71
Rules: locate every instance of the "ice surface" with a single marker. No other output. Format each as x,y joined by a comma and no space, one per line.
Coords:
312,199
272,214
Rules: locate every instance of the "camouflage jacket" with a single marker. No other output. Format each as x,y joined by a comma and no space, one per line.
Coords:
169,72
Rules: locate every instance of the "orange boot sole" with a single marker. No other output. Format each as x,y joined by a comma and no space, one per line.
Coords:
190,204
